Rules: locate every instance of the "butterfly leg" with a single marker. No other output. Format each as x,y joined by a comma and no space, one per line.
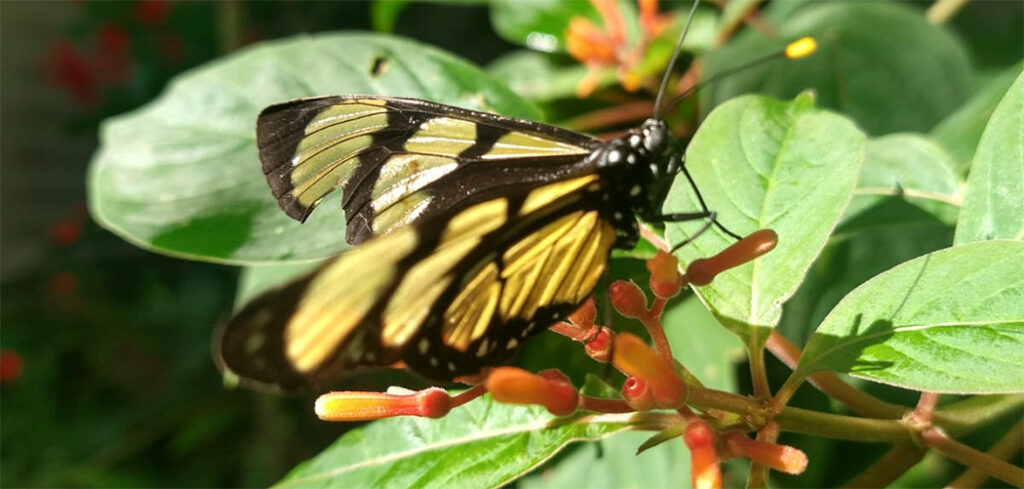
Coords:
707,212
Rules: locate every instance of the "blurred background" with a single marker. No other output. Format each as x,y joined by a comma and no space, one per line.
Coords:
107,379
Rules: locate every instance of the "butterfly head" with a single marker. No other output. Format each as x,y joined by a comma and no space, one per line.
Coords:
651,164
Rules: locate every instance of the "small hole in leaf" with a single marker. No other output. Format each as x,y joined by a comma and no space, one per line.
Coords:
379,66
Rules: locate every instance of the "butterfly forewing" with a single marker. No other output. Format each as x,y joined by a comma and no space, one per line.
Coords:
446,297
400,160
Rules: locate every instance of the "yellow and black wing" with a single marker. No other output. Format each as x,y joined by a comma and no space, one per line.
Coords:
399,160
446,296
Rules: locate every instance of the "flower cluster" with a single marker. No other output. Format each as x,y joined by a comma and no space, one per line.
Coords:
599,48
654,380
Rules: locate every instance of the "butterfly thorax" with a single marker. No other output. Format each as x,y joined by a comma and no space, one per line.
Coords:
638,169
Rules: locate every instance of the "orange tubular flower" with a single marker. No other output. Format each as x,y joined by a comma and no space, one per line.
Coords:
779,457
702,271
365,406
634,358
704,464
549,389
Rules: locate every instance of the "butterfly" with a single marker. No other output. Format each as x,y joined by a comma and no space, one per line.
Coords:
472,232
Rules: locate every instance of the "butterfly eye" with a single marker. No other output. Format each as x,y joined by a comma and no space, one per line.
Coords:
655,136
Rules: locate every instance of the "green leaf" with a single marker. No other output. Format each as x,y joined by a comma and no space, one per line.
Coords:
908,166
994,199
614,464
960,131
949,321
181,175
701,344
762,163
905,80
481,444
539,77
888,234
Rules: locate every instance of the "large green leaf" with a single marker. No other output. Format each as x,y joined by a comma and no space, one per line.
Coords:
960,132
949,321
181,175
613,463
482,444
911,167
880,63
762,163
994,200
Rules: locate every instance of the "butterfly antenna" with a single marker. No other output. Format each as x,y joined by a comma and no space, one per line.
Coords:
794,50
672,61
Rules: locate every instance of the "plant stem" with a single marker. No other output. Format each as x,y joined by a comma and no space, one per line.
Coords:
973,412
652,321
858,401
936,439
1007,446
758,372
842,427
597,404
897,461
925,410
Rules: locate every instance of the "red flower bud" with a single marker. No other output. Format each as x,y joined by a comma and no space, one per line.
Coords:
517,386
779,457
627,299
638,394
703,271
600,346
634,358
365,406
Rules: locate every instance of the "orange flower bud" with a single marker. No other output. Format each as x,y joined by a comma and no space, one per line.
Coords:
703,271
779,457
627,299
517,386
665,278
585,315
634,358
365,406
638,394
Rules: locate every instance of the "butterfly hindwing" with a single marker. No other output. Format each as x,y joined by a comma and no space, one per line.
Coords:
445,297
399,160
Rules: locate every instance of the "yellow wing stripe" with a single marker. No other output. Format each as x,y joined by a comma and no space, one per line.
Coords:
547,194
443,136
470,313
477,220
420,287
338,299
522,145
404,174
